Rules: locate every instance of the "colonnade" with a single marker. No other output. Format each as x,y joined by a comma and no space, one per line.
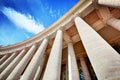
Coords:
104,59
28,64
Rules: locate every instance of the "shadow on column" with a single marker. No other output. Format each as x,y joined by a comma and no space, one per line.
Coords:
91,71
117,48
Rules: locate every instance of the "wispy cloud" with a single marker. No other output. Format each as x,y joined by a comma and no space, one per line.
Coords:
26,35
23,21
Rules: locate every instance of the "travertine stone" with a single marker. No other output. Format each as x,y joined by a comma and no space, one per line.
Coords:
104,59
4,58
112,3
72,64
42,73
33,65
53,67
7,62
16,73
85,69
12,65
115,23
39,70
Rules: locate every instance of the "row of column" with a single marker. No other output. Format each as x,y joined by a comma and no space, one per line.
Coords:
104,59
71,72
72,65
52,72
14,70
91,46
13,67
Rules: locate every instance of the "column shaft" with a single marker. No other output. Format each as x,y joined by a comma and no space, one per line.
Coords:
115,23
7,62
53,67
104,59
42,74
72,64
4,58
11,66
112,3
33,65
85,69
39,70
16,73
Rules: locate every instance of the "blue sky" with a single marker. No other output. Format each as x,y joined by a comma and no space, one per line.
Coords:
22,19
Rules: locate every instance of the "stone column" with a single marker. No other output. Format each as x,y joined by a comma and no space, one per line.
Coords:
85,69
4,58
115,23
42,73
72,64
7,62
104,59
39,70
33,65
16,73
112,3
53,68
12,65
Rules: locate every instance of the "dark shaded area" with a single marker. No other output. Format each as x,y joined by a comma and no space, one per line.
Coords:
81,73
117,48
91,70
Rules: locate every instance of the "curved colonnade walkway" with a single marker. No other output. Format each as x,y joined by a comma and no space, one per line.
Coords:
29,64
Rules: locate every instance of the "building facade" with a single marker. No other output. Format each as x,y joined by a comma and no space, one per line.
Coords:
82,45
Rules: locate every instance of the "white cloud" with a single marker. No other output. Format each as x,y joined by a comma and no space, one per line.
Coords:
26,35
23,21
